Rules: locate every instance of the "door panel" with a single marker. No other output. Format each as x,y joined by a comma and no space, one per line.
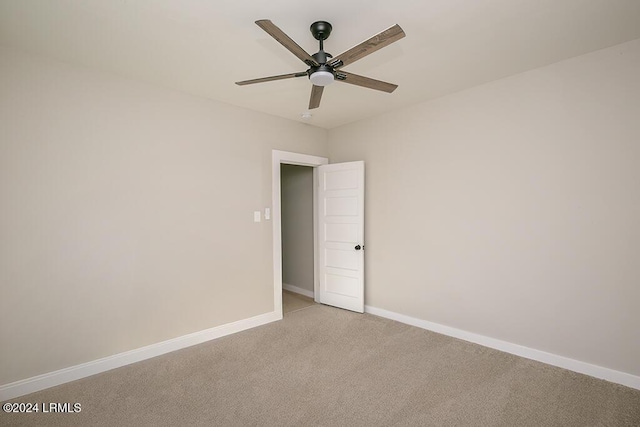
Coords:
342,285
341,235
341,206
341,180
340,258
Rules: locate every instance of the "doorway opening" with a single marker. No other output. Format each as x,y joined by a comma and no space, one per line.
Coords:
296,209
280,160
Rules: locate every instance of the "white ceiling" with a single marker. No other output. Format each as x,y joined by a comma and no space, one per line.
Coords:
204,46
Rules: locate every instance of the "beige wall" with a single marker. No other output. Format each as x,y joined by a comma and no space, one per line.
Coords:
509,210
126,213
297,225
512,210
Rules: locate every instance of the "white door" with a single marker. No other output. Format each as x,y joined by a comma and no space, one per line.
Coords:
341,235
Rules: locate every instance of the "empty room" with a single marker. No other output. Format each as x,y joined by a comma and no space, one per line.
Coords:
336,213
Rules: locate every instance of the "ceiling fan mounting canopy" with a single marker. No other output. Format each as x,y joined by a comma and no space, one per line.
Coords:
321,30
323,67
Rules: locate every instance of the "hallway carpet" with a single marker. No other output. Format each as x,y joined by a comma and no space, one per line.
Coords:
293,302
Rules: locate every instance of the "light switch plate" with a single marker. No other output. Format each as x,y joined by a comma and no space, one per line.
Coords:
256,216
267,213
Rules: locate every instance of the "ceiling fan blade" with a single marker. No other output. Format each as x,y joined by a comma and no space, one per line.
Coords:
286,41
316,96
354,79
367,47
272,78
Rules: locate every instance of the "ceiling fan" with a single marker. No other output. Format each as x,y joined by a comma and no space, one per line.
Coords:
323,67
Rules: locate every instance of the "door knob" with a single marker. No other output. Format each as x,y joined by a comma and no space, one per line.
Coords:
358,247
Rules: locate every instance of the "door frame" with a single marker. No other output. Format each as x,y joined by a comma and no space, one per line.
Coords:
286,157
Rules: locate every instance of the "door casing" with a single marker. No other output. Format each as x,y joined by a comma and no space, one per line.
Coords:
285,157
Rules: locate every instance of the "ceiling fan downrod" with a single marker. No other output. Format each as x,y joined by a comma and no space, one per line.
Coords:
321,30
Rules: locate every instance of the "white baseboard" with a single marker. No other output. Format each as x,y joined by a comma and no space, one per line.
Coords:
297,290
600,372
41,382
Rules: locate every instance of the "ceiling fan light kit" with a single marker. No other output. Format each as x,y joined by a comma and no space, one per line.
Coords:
323,67
322,77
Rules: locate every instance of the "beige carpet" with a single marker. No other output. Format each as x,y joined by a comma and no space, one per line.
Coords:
329,367
293,302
